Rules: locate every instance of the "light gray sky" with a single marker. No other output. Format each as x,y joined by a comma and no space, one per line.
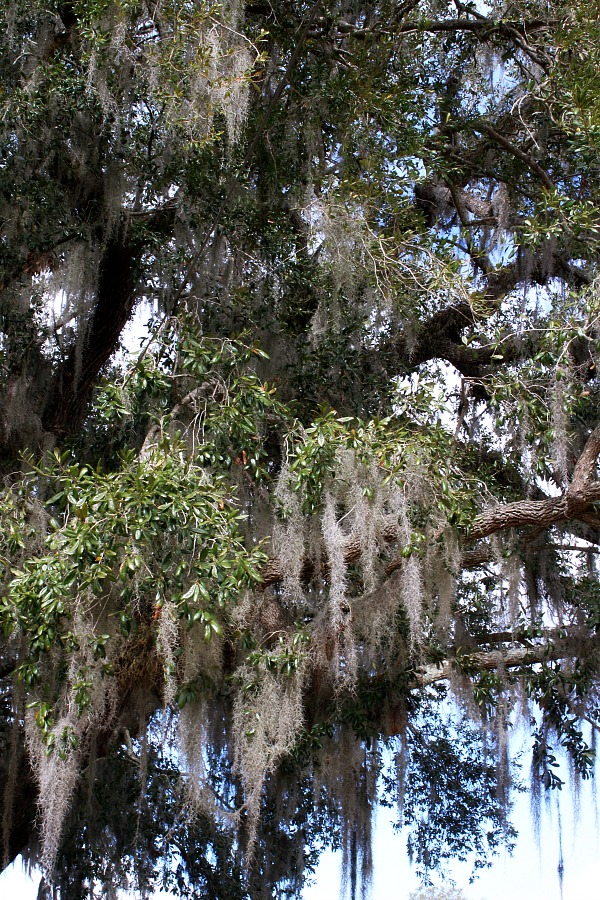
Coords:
530,874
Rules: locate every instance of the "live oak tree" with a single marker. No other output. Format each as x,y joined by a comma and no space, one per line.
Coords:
349,462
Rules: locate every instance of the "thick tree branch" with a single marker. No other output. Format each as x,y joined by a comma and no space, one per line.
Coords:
439,337
518,656
74,380
272,572
480,26
574,503
514,657
23,826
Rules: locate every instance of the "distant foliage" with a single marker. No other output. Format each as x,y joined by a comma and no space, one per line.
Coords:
437,893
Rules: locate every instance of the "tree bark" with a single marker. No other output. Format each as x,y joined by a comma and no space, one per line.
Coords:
74,380
514,657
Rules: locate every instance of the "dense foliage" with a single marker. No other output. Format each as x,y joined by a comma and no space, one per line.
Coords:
299,337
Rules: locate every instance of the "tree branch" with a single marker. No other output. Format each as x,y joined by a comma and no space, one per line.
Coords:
272,572
515,657
518,154
74,380
203,390
574,503
481,26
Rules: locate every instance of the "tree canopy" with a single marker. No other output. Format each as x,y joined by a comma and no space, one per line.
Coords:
299,430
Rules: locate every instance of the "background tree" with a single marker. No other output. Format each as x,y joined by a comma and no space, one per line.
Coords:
354,459
432,893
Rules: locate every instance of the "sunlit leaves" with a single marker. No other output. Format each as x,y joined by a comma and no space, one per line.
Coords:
146,530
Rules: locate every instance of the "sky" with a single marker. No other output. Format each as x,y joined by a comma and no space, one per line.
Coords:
529,874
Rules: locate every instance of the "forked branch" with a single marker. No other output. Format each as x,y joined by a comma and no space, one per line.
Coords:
573,504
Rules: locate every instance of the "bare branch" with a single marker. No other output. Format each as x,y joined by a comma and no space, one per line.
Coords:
203,390
518,154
